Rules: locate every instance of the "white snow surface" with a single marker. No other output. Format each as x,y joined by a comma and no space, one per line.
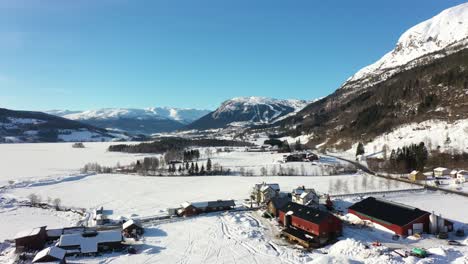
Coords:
435,34
434,133
184,115
234,237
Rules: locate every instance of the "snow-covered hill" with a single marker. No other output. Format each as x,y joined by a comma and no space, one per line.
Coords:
443,34
28,126
133,120
247,111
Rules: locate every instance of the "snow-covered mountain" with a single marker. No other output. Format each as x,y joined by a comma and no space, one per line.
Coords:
434,38
136,121
28,126
248,111
423,80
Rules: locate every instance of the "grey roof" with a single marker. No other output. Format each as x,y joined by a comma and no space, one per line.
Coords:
280,202
221,203
388,211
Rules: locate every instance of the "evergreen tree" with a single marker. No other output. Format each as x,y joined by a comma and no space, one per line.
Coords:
360,149
208,165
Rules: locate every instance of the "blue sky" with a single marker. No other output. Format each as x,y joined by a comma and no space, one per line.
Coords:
79,54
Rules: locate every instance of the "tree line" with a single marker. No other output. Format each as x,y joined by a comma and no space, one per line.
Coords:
163,145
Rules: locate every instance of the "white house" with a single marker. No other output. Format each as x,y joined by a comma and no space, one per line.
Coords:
304,196
462,176
263,192
440,171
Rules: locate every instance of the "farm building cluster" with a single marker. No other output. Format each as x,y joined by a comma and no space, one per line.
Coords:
309,219
44,245
440,176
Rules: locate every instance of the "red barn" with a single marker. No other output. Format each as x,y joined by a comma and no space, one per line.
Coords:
309,226
402,219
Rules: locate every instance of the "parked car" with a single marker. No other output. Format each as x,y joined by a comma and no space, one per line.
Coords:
454,243
418,252
442,235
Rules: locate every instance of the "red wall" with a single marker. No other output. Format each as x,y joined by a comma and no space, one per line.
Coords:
325,226
400,230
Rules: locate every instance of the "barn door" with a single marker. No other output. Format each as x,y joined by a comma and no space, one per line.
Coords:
418,228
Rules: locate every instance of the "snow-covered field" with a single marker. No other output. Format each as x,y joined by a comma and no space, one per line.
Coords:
433,133
235,237
36,161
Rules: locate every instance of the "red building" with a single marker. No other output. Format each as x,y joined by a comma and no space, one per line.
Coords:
401,219
309,226
33,239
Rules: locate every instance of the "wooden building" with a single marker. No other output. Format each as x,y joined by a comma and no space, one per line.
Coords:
440,171
309,226
416,176
91,242
263,192
305,196
189,209
132,228
50,255
275,204
33,239
402,219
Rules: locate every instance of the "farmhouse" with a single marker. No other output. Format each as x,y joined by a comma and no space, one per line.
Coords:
309,226
91,242
401,219
304,196
131,228
263,192
275,204
33,239
440,171
189,209
416,176
50,255
462,175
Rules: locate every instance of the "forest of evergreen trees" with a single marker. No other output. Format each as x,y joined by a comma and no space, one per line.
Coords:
174,143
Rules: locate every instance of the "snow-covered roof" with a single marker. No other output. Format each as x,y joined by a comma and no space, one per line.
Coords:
274,186
441,169
55,252
89,244
130,223
29,232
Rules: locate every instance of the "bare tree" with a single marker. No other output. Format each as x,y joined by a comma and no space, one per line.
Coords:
57,203
34,199
208,153
388,182
273,171
242,171
264,171
355,184
303,170
385,151
338,185
364,182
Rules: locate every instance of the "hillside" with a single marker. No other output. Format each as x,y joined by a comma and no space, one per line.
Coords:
425,78
28,126
247,111
135,121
